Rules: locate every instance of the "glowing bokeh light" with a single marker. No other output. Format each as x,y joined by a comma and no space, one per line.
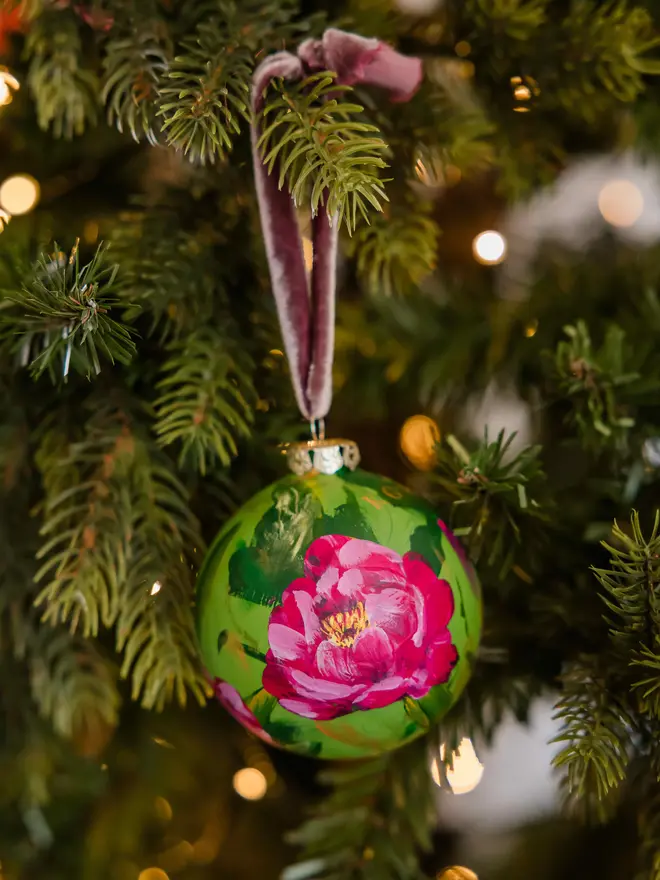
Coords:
457,872
19,194
250,783
489,247
157,587
621,203
153,874
418,440
466,772
8,85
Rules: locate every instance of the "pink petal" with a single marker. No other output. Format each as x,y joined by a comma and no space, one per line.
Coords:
393,611
441,658
318,711
286,643
356,553
383,693
336,663
322,554
438,596
373,654
320,689
297,610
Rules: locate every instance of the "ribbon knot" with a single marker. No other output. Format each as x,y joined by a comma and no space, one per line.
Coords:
306,308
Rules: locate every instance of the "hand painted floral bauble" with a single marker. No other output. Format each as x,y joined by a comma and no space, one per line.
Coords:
337,615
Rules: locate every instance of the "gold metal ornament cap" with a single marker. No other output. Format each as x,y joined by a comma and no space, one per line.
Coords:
321,456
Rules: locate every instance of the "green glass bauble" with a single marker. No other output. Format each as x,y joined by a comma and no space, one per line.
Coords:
337,616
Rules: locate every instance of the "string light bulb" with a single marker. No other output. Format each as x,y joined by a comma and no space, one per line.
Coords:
466,771
489,247
418,440
153,874
250,783
19,194
457,872
621,203
8,85
157,587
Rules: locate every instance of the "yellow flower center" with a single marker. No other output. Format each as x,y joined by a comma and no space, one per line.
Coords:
344,627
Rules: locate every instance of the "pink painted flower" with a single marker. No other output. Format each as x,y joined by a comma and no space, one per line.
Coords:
233,703
364,628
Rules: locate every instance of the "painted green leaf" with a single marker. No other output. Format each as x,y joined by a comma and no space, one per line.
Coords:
415,712
261,705
348,519
425,540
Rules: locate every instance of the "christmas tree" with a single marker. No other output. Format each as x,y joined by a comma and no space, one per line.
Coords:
497,305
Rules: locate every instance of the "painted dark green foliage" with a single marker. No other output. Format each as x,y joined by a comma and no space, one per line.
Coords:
425,541
262,571
348,519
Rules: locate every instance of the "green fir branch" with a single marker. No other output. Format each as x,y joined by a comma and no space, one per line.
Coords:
60,318
516,19
321,150
206,399
498,499
600,384
605,46
596,739
72,684
135,59
65,91
631,585
373,824
116,521
396,253
170,275
205,95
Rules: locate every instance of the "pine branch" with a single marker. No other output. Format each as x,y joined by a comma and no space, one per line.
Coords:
208,92
170,275
597,733
372,824
395,253
496,498
135,59
631,596
66,93
72,684
60,317
116,523
605,46
516,19
322,151
206,399
601,385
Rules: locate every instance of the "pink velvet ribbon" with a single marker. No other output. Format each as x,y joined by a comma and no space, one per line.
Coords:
307,309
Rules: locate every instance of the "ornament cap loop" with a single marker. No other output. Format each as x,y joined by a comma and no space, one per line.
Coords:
321,456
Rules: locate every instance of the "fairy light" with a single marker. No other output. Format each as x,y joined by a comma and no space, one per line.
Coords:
489,247
466,771
19,194
156,588
621,203
418,440
8,85
250,783
456,872
531,328
153,874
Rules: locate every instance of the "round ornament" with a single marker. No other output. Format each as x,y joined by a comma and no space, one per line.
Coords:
337,616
